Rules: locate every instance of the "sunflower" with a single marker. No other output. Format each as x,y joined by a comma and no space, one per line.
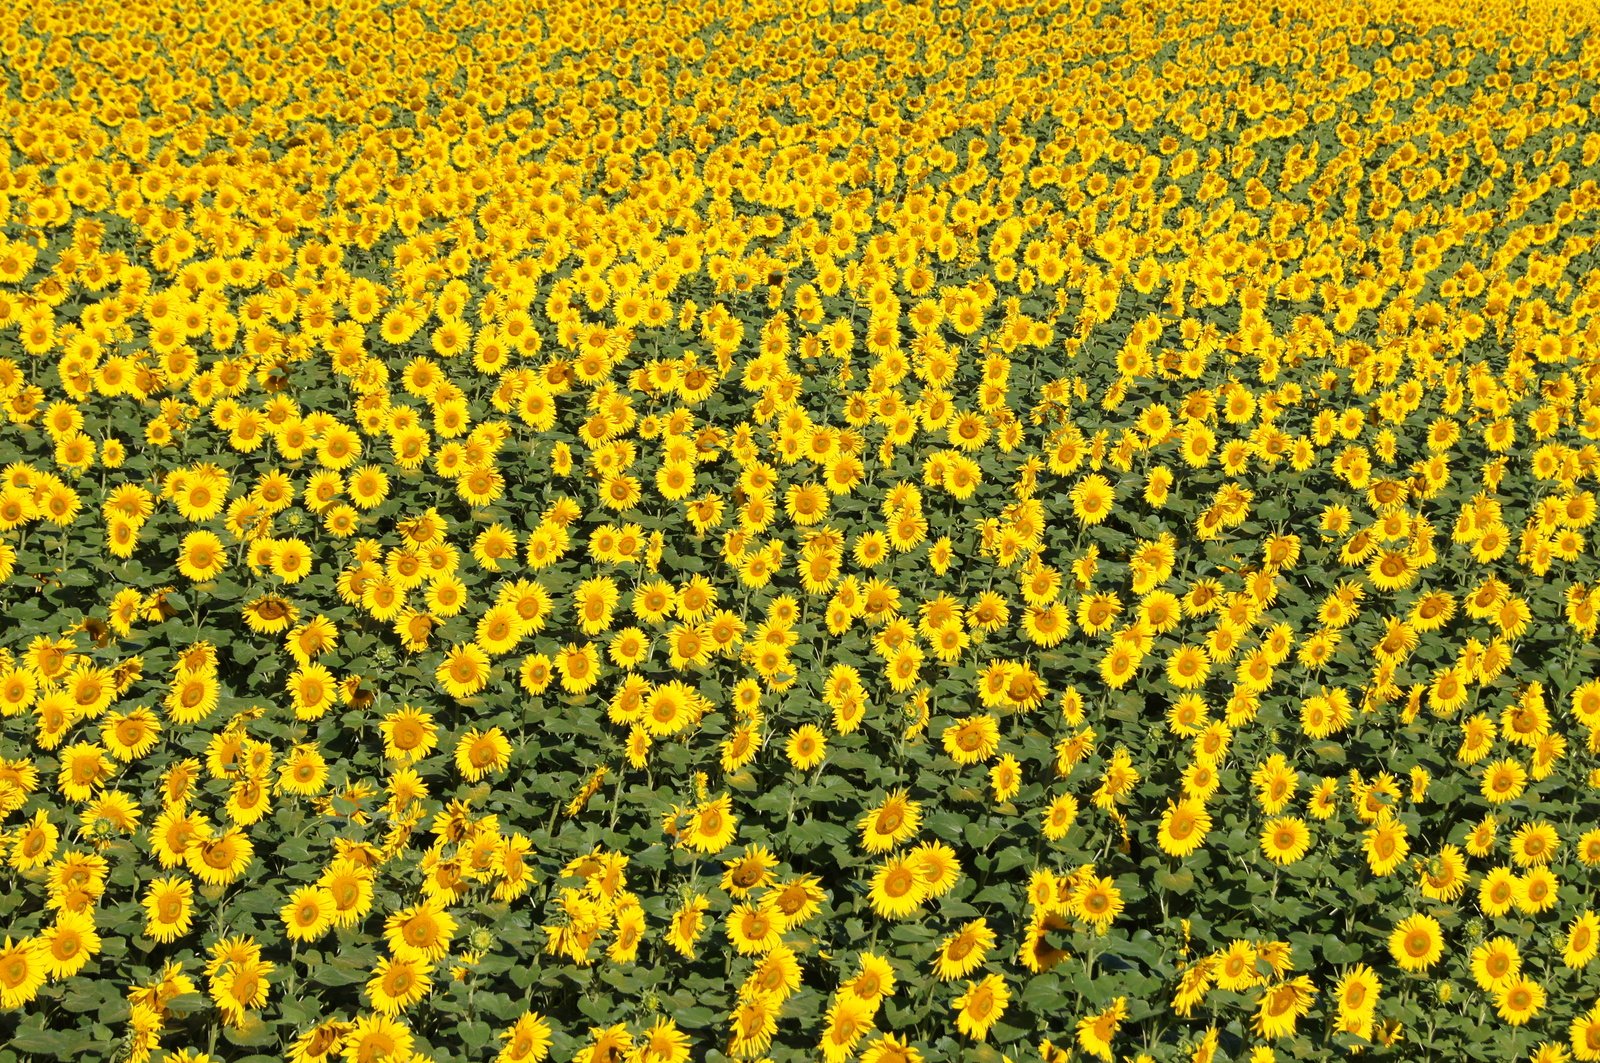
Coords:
1581,941
673,707
620,492
1495,963
578,667
339,448
168,905
304,770
847,1021
1236,967
55,715
691,645
1385,845
1096,901
291,560
220,860
890,823
1188,667
201,496
308,914
963,952
1184,826
239,987
938,867
408,734
875,980
249,799
1534,843
654,600
1005,778
1448,692
464,670
755,928
1391,570
1588,848
201,556
174,831
34,843
374,1038
1281,1005
897,889
981,1006
1188,715
1098,612
482,753
414,629
1285,840
972,739
269,614
526,1041
420,932
752,870
712,826
1444,878
1059,816
686,925
752,1023
23,967
1497,892
310,640
312,690
1095,1032
887,1048
1537,890
382,598
535,673
1416,943
69,944
1584,1032
19,688
1519,1000
595,601
1120,662
76,880
662,1042
500,629
396,984
368,486
628,648
1092,499
1357,990
807,747
446,596
350,885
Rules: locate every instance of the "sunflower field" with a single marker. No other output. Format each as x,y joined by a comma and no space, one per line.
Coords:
844,530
